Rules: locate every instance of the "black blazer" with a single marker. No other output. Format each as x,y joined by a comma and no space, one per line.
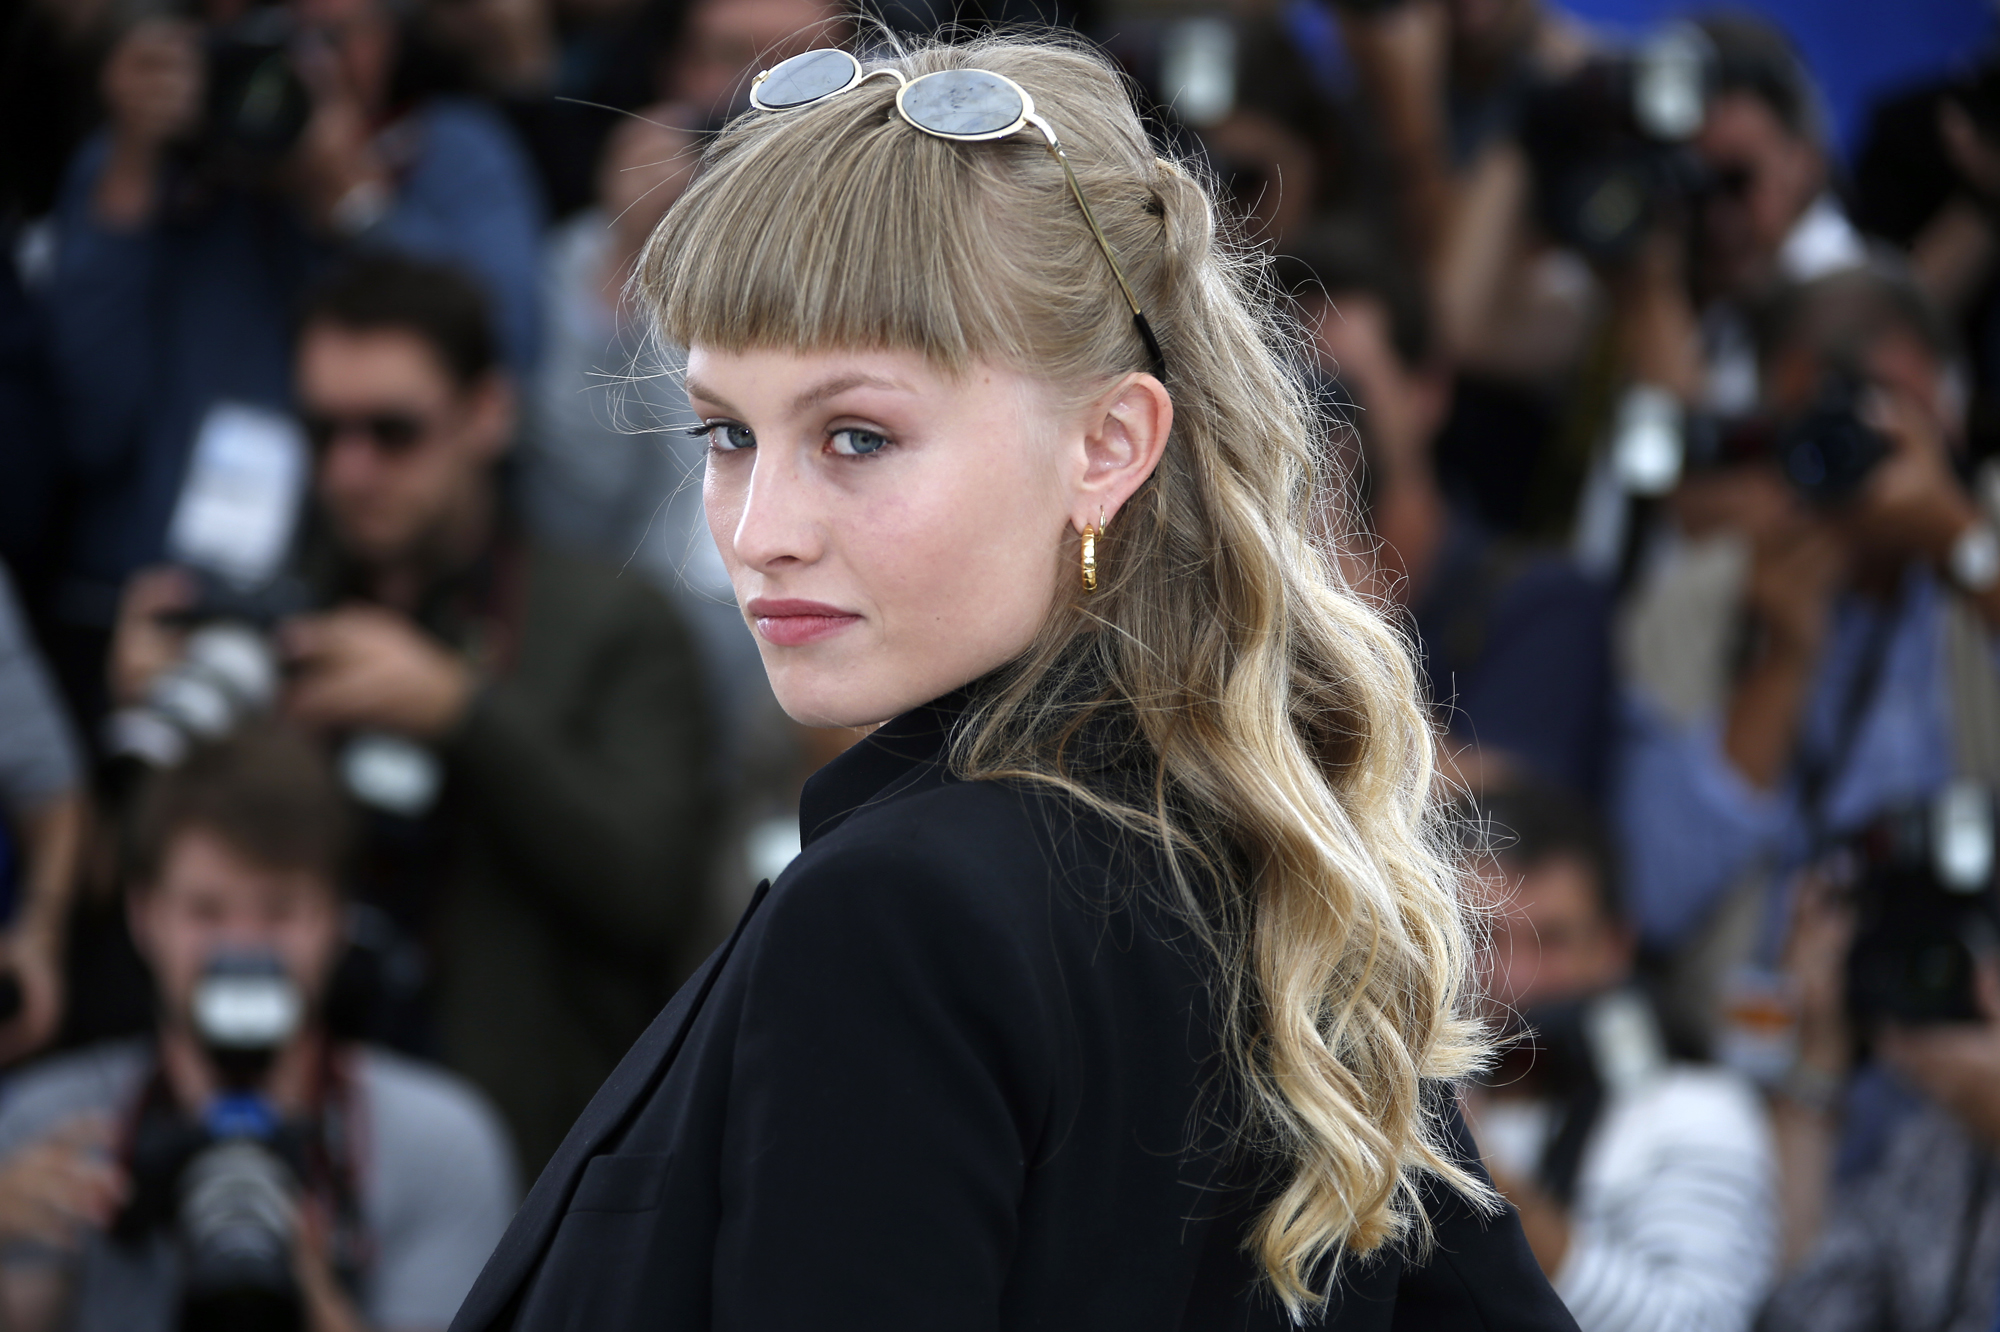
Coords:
955,1071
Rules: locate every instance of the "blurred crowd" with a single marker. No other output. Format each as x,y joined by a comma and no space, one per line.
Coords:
380,745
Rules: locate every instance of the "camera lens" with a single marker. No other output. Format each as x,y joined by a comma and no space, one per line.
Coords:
238,1216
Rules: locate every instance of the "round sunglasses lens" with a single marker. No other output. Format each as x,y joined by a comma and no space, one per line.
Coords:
806,78
962,102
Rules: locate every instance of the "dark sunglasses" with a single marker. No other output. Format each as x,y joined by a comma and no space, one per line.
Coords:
392,434
1733,182
963,105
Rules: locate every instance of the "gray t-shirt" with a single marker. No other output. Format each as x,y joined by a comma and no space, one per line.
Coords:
435,1183
38,755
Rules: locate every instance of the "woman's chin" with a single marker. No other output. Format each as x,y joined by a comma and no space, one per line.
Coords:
811,699
831,697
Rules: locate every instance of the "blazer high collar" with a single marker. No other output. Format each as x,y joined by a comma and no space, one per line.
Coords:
888,760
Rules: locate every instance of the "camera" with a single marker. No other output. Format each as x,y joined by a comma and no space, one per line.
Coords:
257,106
238,1195
1609,146
1573,1054
230,533
1926,909
227,1188
1826,451
238,1212
228,671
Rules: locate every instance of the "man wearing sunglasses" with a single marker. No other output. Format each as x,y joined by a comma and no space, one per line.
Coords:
1770,216
554,876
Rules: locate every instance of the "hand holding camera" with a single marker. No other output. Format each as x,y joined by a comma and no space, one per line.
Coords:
149,638
1815,959
1798,564
259,100
339,177
51,1191
359,667
365,668
1957,1066
1911,500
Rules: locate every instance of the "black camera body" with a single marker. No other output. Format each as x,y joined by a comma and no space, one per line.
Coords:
1826,451
1575,1054
1609,144
257,105
238,1206
227,1187
1927,910
228,671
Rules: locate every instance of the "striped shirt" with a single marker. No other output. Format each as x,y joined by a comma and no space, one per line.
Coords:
1674,1227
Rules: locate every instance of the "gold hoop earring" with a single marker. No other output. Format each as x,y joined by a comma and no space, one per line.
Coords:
1090,531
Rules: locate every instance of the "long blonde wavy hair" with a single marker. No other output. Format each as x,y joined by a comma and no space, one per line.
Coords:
1291,752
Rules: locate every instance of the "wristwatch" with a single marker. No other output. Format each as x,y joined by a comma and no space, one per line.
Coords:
1974,559
365,203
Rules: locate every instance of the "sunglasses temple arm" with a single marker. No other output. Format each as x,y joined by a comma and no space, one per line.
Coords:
1138,316
1152,343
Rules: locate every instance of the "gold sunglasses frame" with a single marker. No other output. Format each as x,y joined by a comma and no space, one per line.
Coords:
1028,118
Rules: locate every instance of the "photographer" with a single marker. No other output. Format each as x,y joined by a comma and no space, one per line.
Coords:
556,863
1927,180
237,162
356,1189
1818,650
1768,215
1645,1186
1448,82
1893,1194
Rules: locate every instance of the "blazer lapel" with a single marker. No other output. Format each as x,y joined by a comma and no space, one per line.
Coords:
533,1225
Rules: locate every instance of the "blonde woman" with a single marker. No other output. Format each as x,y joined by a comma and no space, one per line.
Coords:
1119,983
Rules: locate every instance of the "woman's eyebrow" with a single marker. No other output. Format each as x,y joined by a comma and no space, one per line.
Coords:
839,384
812,397
697,389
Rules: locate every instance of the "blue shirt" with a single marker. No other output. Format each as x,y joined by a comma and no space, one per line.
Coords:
1692,825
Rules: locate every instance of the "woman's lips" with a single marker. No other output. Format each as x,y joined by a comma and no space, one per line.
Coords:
793,623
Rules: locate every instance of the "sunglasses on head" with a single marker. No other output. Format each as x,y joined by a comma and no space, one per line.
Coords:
392,434
962,105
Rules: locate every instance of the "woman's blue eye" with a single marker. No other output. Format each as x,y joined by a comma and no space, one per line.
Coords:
851,443
728,436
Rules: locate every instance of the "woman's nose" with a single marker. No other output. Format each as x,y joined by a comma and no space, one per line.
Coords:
779,522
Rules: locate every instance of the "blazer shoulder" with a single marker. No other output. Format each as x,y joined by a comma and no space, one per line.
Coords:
993,868
945,847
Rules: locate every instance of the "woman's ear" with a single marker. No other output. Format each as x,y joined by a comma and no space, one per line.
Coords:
1124,437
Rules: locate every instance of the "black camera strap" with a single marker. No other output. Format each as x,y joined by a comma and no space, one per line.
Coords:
1817,774
1976,1199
